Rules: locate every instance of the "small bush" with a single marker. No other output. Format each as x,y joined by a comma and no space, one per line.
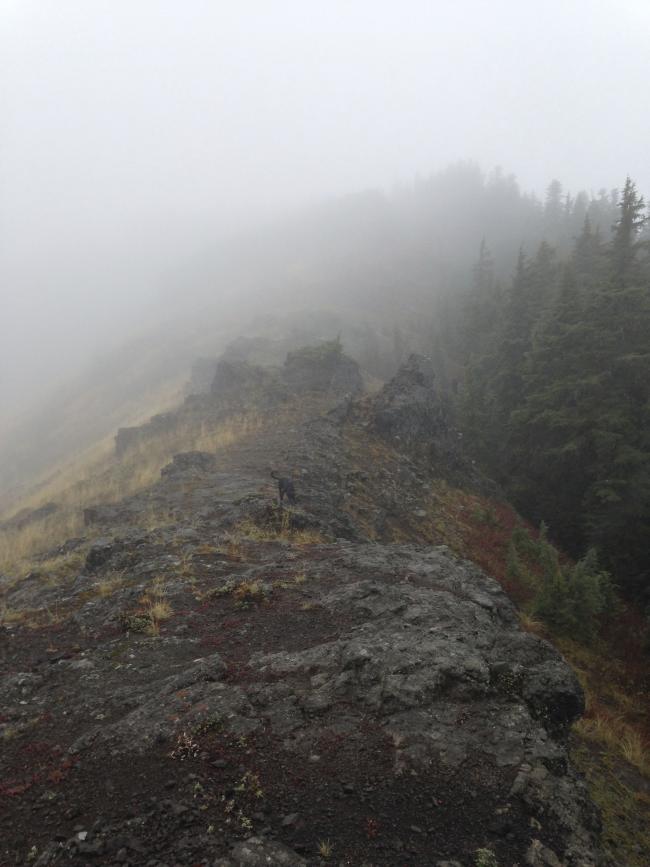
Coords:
571,600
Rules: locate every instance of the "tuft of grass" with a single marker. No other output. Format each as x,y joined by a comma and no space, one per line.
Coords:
9,616
156,606
307,537
154,609
31,618
530,624
325,849
635,751
248,529
248,591
617,737
107,586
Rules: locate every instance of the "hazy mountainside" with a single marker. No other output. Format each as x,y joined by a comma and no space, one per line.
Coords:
385,269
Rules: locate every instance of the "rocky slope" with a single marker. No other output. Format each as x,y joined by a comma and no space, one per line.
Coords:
225,683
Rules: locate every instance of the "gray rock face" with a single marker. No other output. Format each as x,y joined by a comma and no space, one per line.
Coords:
255,852
314,369
130,437
201,376
413,416
238,385
409,407
322,368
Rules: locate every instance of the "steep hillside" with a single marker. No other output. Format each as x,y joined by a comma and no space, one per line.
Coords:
204,677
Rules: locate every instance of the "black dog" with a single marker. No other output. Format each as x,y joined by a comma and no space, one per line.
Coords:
285,488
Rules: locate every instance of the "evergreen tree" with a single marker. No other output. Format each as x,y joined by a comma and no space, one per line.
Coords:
625,244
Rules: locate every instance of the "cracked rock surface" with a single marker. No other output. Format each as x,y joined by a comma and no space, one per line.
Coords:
341,689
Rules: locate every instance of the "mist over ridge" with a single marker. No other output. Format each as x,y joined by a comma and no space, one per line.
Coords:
135,136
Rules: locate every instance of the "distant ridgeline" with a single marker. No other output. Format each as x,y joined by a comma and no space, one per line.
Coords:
238,386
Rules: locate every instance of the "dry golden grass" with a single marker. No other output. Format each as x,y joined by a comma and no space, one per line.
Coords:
18,546
307,537
107,586
31,618
529,624
9,616
612,716
250,530
325,849
619,738
154,609
60,568
249,591
99,477
635,751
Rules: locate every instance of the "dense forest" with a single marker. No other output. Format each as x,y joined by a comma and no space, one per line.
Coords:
553,394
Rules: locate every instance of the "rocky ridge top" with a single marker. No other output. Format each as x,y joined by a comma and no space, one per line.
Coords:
328,685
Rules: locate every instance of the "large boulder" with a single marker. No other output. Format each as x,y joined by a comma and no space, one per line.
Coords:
414,416
410,409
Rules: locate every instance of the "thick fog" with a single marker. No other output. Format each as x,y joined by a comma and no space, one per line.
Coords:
137,135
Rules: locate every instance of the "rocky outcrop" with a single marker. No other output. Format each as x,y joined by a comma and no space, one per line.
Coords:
130,437
201,375
238,385
412,413
322,368
414,416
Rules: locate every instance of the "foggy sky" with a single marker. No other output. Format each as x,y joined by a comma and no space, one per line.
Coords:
132,132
